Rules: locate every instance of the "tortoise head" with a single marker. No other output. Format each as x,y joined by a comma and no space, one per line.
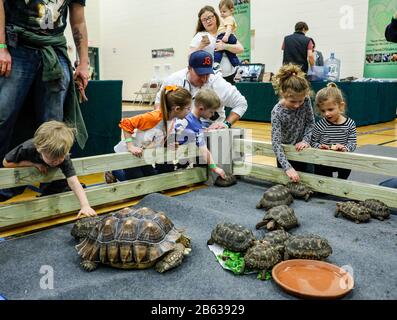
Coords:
82,227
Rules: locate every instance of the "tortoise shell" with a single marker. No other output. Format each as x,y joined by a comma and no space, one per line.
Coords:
277,239
377,209
353,211
261,256
229,181
307,247
299,190
281,217
275,196
233,237
129,239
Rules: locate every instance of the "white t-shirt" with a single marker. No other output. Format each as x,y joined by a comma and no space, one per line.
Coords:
228,94
225,65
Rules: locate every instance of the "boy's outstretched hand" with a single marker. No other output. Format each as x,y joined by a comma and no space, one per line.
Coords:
220,172
86,212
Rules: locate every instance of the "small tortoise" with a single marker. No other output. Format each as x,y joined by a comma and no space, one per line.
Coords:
261,256
309,246
299,190
277,239
233,237
229,181
377,209
275,196
131,239
353,211
281,217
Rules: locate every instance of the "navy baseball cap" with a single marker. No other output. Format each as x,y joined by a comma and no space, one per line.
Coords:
201,62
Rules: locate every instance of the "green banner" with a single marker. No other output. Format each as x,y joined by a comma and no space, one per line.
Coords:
242,14
380,55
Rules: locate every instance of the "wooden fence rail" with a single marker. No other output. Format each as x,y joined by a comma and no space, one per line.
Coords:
338,187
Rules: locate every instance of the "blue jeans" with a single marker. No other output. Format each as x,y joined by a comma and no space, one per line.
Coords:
234,60
48,98
26,75
391,183
134,173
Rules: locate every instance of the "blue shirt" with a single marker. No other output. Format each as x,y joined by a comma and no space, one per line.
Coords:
190,131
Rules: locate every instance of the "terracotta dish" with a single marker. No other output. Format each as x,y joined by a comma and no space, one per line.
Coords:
313,279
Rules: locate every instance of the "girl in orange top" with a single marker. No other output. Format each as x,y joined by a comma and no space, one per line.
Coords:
151,130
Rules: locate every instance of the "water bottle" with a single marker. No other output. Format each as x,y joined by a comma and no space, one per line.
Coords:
332,67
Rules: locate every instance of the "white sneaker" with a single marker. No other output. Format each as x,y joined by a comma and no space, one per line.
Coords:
216,67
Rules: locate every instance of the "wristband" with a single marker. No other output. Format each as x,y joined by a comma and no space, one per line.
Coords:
213,166
3,46
229,125
128,140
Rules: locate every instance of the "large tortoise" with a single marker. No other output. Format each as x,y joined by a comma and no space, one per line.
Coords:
309,246
353,211
299,190
131,239
275,196
377,209
277,240
261,256
281,217
233,237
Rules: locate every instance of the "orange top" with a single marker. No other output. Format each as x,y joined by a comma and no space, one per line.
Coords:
141,122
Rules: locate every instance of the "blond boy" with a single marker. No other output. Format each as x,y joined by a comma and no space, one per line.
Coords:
206,102
50,148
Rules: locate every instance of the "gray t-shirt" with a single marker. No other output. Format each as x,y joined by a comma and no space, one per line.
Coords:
291,127
27,152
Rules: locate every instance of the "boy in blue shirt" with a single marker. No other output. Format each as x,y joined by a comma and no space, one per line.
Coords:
206,102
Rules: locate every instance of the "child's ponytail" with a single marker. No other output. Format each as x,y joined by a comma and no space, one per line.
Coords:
173,96
330,92
291,80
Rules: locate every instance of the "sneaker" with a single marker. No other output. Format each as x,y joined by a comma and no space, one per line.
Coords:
216,67
109,177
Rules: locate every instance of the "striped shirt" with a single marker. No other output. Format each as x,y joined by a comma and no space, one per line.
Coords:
291,127
327,133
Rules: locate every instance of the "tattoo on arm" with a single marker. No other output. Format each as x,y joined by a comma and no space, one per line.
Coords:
77,36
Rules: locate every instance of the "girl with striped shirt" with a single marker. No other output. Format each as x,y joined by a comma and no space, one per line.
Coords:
335,131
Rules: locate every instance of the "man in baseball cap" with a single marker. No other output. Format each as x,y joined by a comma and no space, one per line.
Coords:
201,62
199,74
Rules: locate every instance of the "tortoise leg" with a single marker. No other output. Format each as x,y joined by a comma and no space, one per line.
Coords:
262,274
307,196
171,260
357,221
261,225
210,242
259,205
88,265
337,213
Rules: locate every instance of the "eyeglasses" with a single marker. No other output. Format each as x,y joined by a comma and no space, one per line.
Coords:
208,19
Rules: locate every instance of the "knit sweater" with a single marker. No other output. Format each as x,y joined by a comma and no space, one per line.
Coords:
291,127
